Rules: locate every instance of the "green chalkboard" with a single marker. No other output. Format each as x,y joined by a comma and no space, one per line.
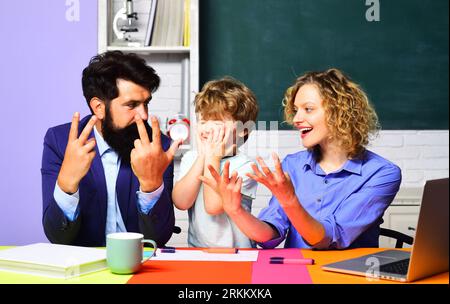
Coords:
401,61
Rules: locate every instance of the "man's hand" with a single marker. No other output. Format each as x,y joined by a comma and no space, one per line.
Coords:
148,159
78,156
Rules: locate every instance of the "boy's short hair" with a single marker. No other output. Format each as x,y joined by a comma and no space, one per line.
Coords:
226,97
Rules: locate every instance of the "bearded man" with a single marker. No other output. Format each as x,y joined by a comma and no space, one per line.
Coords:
110,172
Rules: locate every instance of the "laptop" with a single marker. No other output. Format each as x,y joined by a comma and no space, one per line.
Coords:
429,254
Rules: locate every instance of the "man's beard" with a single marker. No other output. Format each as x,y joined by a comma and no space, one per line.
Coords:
121,140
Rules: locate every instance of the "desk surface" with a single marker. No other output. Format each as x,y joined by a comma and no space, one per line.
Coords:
202,272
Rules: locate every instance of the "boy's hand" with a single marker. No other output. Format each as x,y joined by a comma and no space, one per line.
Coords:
229,139
199,143
228,188
218,144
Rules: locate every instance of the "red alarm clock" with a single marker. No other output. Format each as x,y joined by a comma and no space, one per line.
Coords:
178,127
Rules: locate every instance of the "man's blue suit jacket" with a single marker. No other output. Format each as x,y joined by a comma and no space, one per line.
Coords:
89,227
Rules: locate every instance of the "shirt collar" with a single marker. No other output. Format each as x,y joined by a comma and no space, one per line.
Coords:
101,143
310,162
351,165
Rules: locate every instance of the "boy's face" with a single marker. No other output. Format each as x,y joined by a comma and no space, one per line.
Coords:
211,127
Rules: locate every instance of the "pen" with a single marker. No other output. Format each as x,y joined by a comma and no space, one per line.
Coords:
281,260
168,250
220,250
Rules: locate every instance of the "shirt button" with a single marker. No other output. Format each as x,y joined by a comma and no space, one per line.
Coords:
319,200
325,181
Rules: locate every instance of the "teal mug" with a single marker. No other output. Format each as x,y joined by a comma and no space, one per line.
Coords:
125,251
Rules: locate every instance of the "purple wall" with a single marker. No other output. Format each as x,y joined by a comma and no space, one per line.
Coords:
42,56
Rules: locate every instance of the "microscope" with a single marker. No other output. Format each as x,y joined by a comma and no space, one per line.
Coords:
128,14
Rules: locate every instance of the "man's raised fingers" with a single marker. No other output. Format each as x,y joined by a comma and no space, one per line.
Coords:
91,155
137,143
156,132
73,134
143,135
88,129
90,145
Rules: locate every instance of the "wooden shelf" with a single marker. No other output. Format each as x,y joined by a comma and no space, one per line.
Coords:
151,49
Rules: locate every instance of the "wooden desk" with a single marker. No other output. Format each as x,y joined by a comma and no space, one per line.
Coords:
200,272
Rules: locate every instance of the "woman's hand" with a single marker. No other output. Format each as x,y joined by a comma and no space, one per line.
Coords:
278,182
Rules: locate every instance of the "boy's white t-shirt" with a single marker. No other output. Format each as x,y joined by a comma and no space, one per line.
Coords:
207,230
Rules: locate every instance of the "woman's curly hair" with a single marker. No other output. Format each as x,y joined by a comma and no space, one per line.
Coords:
350,116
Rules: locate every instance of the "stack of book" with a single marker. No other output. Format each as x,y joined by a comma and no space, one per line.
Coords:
52,260
168,23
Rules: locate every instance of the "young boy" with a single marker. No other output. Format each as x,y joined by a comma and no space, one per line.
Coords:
223,108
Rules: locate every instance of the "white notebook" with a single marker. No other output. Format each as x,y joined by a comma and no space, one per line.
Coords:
52,260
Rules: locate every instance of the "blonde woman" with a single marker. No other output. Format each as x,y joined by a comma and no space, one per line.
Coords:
333,194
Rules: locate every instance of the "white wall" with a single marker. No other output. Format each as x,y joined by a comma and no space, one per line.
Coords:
166,100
